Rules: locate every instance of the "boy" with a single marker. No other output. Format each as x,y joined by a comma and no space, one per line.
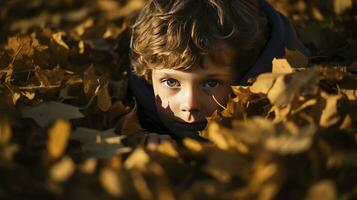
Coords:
186,54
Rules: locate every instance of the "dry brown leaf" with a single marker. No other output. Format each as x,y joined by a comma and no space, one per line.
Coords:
7,72
119,88
104,99
21,46
296,59
129,126
50,78
9,150
90,81
103,150
90,136
58,136
45,113
99,144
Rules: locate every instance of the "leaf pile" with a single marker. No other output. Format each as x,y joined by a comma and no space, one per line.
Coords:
292,134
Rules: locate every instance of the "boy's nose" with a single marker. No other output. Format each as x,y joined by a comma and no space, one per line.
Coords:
190,100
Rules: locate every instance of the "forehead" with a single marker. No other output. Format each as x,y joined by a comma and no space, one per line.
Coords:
209,68
218,62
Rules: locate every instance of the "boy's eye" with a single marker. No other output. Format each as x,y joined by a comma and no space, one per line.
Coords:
211,84
170,82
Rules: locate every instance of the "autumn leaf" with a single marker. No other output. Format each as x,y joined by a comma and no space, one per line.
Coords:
64,61
139,159
110,182
99,144
104,101
5,131
62,170
342,5
58,136
58,38
44,114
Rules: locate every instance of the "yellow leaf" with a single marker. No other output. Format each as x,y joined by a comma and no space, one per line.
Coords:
141,186
342,5
281,66
330,115
192,144
215,135
110,181
21,46
15,97
88,166
5,131
62,170
168,148
81,28
58,136
285,88
28,95
264,83
9,151
291,144
81,47
58,38
324,189
351,94
129,8
137,160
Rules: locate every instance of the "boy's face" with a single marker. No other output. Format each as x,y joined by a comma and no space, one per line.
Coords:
185,98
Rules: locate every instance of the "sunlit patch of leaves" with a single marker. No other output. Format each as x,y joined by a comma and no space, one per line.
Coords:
290,135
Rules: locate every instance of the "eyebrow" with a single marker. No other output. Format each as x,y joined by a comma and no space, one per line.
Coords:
206,76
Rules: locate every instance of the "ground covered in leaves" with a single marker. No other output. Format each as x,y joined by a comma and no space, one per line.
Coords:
290,135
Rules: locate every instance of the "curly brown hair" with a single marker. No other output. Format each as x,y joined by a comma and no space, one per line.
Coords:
177,34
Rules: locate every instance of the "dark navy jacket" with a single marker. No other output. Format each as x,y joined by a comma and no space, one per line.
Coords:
282,36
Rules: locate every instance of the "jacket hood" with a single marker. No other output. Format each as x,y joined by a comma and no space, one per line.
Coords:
282,36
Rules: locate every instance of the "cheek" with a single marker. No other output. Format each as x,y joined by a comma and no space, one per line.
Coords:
162,97
166,103
221,95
